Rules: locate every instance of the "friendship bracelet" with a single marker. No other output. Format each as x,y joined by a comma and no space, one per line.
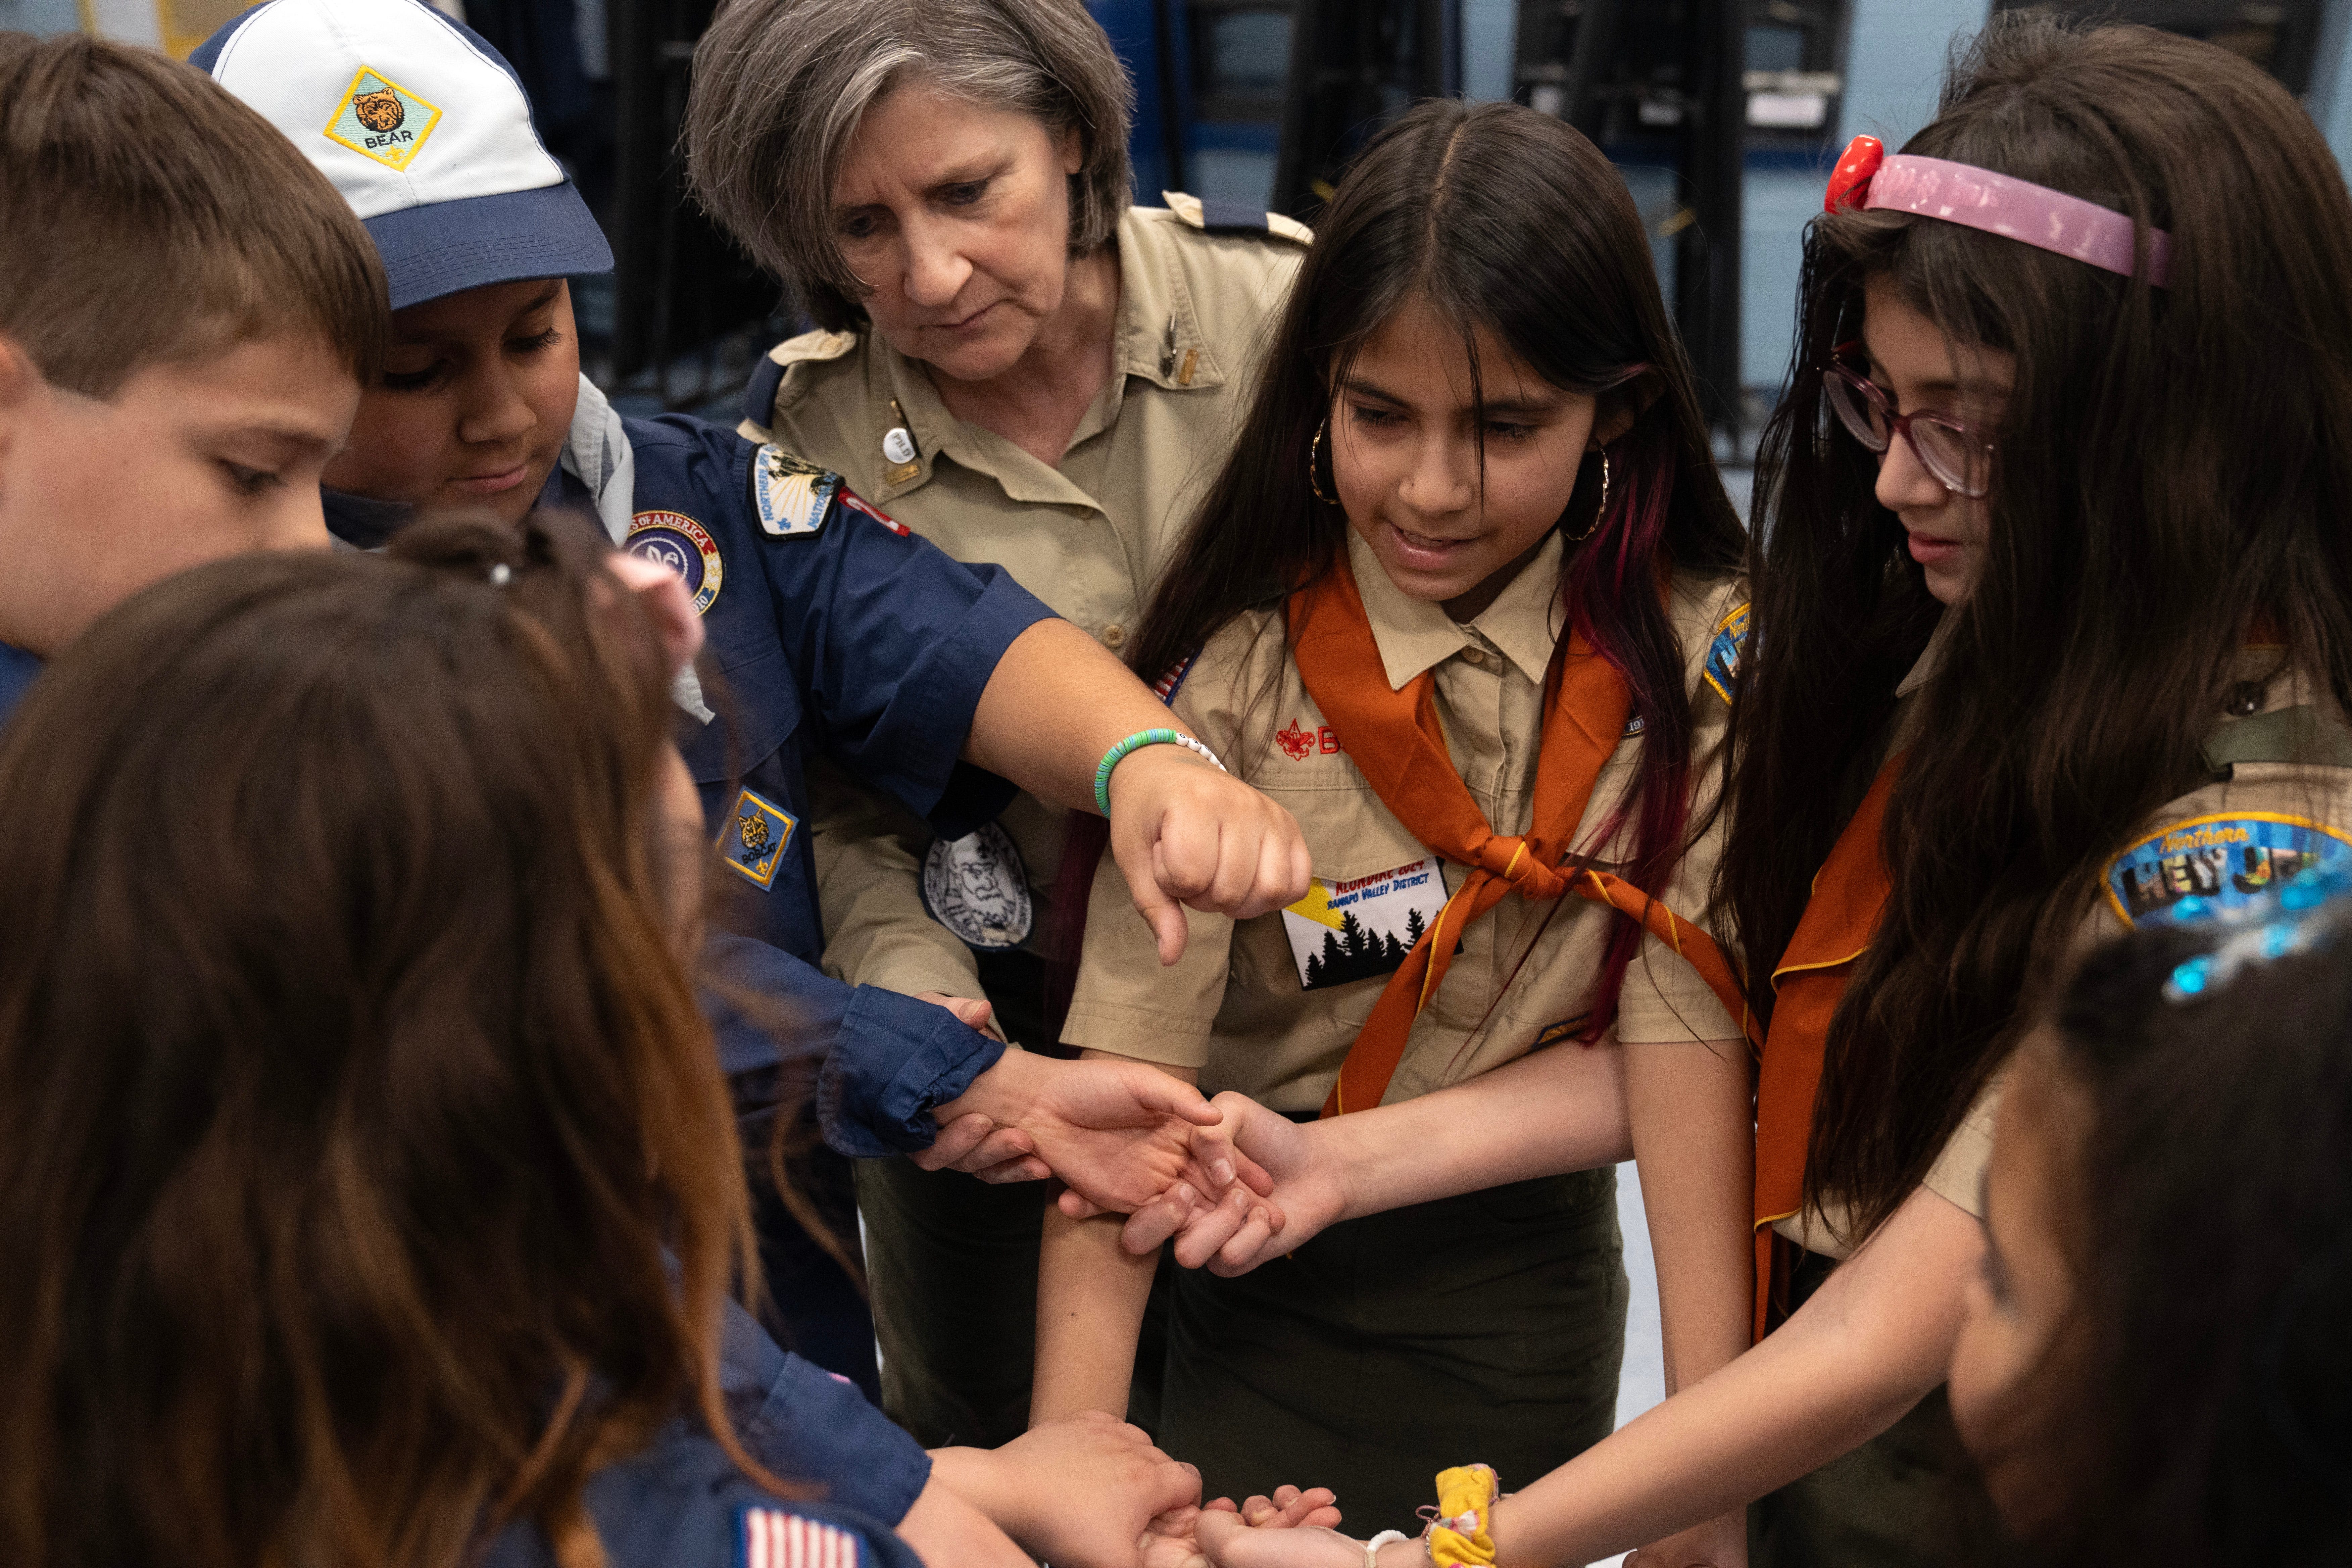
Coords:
1372,1547
1136,743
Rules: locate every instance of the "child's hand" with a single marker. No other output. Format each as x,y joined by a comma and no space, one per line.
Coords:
1077,1492
1229,1542
1288,1509
1238,1234
1170,1541
1718,1543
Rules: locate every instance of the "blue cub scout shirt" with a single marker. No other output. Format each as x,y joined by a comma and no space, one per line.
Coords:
831,630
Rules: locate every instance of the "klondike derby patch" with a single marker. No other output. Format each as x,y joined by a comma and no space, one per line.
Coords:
380,119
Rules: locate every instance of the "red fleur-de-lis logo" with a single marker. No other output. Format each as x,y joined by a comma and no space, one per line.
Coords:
1296,740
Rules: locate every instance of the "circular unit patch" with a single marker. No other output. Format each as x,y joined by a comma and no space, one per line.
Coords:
673,539
977,888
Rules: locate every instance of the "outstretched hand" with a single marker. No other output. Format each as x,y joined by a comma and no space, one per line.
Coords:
1121,1134
1183,833
1083,1492
1172,1541
1248,1225
1229,1540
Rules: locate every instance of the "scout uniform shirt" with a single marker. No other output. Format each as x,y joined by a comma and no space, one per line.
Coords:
1198,290
830,632
1271,1006
2278,800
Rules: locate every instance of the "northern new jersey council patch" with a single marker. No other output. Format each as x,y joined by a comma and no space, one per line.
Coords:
1364,926
752,840
673,539
381,119
2226,860
790,494
1722,667
977,888
771,1538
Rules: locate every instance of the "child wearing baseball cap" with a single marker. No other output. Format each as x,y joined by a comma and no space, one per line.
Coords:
837,633
186,309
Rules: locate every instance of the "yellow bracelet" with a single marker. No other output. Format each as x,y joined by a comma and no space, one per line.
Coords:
1460,1535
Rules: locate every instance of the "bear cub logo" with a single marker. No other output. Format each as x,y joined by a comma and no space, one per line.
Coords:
380,111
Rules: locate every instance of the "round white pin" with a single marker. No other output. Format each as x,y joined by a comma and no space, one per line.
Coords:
898,446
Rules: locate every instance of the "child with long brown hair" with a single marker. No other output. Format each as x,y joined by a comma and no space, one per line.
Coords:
1453,599
2053,629
369,1182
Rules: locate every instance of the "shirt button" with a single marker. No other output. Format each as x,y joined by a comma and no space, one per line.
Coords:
1474,656
1113,634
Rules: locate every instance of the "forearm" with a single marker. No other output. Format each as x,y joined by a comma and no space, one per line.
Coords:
1870,1343
1694,1145
1557,1109
1091,1293
869,889
1058,702
948,1530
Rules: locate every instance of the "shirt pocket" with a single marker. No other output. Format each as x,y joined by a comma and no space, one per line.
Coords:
759,706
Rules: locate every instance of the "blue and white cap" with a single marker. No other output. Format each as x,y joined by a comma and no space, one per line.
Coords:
426,130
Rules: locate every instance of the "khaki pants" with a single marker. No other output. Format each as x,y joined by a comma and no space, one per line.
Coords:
1486,1327
1909,1496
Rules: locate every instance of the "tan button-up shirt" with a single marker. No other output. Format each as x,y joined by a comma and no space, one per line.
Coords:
2288,775
1240,1005
1086,535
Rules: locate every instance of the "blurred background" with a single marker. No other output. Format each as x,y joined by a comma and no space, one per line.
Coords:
1724,115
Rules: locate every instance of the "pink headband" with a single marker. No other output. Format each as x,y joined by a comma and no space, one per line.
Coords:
1868,180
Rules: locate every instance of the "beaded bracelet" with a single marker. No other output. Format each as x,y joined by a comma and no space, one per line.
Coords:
1136,743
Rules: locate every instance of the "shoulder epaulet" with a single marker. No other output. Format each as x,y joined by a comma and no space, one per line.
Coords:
1235,218
2301,734
760,391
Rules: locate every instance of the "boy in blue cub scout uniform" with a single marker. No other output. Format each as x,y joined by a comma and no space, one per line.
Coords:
829,627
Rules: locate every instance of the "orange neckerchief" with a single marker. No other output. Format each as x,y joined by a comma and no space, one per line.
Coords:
1849,893
1395,740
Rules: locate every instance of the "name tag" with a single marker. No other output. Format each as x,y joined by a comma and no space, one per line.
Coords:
1354,930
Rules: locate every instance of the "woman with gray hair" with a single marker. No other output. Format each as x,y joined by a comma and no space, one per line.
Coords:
1026,369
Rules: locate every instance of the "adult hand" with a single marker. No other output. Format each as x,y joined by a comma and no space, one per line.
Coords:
1246,1226
1121,1134
1082,1491
1184,833
1720,1542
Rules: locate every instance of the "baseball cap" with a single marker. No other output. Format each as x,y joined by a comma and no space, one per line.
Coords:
426,130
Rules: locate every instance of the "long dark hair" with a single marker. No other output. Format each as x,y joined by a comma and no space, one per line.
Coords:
1503,218
2190,1410
366,1174
2175,469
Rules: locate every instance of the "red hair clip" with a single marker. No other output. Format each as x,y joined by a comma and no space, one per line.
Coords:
1851,178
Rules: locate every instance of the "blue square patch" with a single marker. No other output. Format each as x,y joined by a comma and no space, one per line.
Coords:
753,842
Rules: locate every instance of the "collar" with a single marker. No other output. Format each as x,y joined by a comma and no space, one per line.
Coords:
1155,335
1931,657
1414,635
596,458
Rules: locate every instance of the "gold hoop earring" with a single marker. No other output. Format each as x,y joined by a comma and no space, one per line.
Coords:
1603,509
1313,461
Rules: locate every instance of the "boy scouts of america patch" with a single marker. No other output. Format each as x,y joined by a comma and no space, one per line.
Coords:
673,539
790,494
2226,860
977,888
1722,667
381,119
771,1538
752,840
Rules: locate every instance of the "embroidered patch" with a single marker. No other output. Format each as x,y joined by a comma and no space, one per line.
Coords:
855,504
1633,727
771,1538
977,888
1722,667
1364,926
1168,685
1301,742
381,119
790,494
752,842
673,539
1552,1033
2225,860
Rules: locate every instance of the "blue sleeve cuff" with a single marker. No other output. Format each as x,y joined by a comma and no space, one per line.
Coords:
894,1060
806,1424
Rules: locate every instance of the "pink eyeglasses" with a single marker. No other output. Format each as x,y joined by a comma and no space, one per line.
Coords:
1958,453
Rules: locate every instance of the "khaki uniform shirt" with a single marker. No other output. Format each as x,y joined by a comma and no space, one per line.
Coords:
2280,798
1087,536
1239,1005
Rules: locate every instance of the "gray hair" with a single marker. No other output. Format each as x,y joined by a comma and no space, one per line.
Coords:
780,87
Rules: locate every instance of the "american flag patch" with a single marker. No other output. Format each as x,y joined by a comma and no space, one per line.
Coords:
771,1538
853,504
1166,686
